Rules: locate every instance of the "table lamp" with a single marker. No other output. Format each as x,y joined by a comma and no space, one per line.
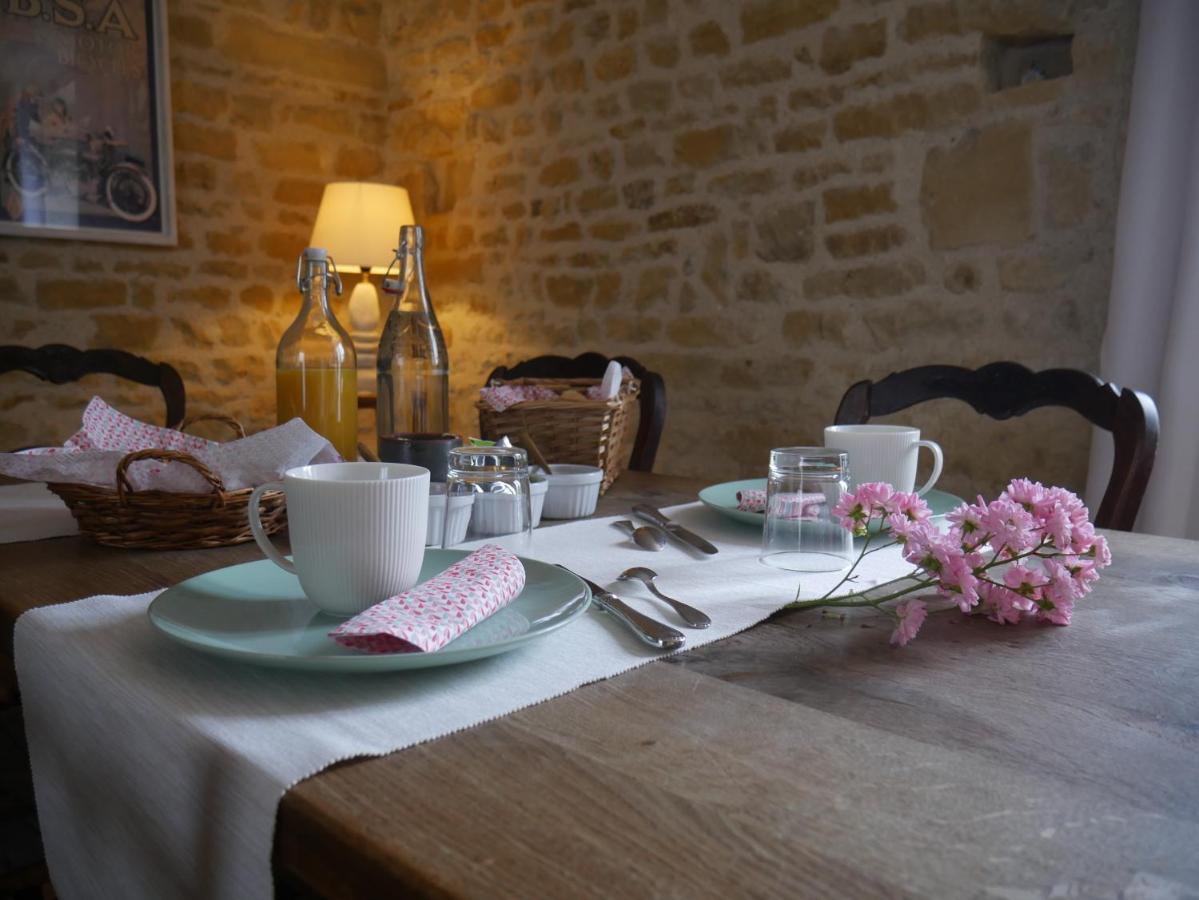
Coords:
359,224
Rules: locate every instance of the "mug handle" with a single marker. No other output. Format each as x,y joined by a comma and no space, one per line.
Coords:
938,461
260,537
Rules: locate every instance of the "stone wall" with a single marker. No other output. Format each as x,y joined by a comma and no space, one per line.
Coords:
765,201
270,101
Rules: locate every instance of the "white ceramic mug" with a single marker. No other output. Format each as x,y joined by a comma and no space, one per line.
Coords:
884,453
357,531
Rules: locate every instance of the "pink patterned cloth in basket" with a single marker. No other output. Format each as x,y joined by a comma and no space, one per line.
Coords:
793,506
430,615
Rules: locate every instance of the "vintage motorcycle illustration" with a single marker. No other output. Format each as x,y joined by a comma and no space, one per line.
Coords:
94,166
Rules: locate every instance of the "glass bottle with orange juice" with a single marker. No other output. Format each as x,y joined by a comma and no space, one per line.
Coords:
315,366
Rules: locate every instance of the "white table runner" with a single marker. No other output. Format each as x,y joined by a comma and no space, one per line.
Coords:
158,770
30,512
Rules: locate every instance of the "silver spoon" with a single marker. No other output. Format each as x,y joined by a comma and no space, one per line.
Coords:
689,614
647,537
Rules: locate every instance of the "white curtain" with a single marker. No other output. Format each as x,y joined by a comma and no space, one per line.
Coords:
1152,338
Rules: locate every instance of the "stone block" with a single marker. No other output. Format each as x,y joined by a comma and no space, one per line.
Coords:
844,203
492,36
810,176
866,282
690,215
759,286
613,65
808,326
613,229
842,47
80,293
708,39
560,172
250,41
288,156
798,138
865,242
569,291
559,40
653,285
571,231
1035,272
650,96
206,296
639,194
925,20
980,190
126,331
705,147
299,192
200,100
763,19
754,71
357,163
784,233
909,111
597,198
203,140
962,278
190,31
662,52
502,92
258,297
747,183
1067,181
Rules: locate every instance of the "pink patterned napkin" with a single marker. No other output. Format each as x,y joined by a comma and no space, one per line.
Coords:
432,614
91,455
792,506
505,395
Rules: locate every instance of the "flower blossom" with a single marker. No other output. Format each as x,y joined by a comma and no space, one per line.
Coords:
911,615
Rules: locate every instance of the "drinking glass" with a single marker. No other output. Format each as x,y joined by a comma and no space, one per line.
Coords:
498,480
800,534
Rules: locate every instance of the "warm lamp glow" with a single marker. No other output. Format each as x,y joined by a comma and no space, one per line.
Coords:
359,224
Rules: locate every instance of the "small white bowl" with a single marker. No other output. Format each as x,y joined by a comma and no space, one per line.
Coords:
459,516
574,490
498,513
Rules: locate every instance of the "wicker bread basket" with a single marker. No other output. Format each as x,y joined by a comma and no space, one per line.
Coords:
591,432
169,520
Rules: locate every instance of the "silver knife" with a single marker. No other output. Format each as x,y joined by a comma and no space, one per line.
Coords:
653,632
676,531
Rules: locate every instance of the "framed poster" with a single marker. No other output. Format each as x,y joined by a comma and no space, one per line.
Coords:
85,121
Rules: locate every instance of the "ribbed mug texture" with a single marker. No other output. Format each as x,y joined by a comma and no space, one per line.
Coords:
355,543
877,453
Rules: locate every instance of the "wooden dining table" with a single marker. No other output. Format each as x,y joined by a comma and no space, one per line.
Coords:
802,757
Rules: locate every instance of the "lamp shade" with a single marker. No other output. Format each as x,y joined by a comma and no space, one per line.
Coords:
359,224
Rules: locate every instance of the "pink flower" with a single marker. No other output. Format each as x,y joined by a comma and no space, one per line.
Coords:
911,615
1001,604
966,524
1025,581
1011,526
1027,493
957,580
907,505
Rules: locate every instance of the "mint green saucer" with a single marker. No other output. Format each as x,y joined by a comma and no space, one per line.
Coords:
723,499
258,614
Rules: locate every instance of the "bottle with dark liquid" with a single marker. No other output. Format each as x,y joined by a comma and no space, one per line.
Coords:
413,366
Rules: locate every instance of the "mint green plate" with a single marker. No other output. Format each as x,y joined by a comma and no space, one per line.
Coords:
723,499
258,614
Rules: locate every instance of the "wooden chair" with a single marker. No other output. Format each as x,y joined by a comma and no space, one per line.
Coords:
592,365
60,364
1002,390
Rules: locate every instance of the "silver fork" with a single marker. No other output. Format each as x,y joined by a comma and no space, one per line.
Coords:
689,614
